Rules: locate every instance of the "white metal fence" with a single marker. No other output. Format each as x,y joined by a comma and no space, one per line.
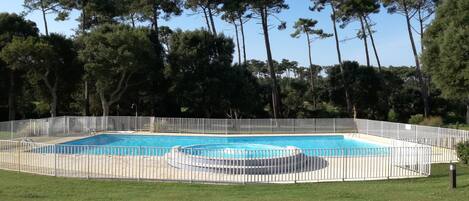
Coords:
254,126
260,166
406,158
68,126
442,140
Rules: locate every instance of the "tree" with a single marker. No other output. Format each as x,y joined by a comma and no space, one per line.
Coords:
319,5
264,9
232,18
45,60
445,56
112,54
370,32
203,82
359,10
306,26
364,84
425,10
47,7
407,9
209,8
235,11
152,10
12,25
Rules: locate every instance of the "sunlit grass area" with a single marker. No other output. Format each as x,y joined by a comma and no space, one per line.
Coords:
21,186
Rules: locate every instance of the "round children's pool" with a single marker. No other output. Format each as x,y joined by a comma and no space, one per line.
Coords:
238,150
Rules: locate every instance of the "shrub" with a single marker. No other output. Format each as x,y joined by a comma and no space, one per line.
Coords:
416,119
462,149
432,121
392,115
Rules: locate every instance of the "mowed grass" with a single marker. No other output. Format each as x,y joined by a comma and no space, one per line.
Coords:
21,186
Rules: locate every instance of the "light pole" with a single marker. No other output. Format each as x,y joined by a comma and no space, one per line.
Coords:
136,114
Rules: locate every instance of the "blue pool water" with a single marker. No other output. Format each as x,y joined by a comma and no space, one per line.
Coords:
220,146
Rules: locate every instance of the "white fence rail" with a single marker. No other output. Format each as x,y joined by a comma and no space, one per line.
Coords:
254,126
67,126
260,166
442,140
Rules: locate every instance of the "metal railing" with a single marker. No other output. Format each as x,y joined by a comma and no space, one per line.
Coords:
254,126
17,154
442,140
212,166
68,126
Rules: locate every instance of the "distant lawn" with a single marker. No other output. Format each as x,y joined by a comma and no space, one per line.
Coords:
460,126
21,186
5,135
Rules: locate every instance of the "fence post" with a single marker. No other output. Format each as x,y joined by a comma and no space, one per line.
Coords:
64,125
382,128
55,160
18,151
416,132
344,164
438,137
87,163
367,127
226,126
294,124
389,161
315,125
398,130
30,127
203,126
48,127
139,166
11,130
271,126
333,125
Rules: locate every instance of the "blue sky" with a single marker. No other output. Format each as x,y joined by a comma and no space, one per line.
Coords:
391,36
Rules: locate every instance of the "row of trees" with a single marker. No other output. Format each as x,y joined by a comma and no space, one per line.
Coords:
121,55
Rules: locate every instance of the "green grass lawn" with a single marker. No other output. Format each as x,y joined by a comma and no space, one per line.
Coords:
21,186
5,135
459,126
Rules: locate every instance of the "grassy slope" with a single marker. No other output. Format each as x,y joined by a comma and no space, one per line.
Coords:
20,186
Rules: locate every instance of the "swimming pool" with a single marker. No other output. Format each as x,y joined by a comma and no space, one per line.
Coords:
220,146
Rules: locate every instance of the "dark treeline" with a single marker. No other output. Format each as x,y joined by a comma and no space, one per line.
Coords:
121,59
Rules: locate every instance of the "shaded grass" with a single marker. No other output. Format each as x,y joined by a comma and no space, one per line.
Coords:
21,186
459,126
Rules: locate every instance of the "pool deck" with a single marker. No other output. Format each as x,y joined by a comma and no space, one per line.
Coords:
329,168
157,168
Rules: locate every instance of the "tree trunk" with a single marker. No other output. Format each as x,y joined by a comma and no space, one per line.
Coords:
312,74
86,101
52,91
105,107
44,18
132,20
365,42
423,88
467,112
241,24
237,42
210,15
159,63
270,63
421,28
53,106
373,44
209,29
12,97
339,57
